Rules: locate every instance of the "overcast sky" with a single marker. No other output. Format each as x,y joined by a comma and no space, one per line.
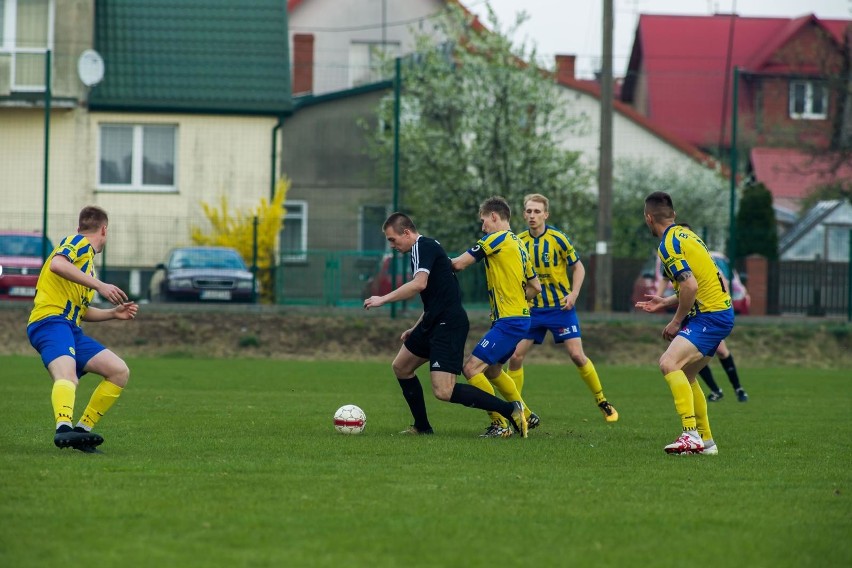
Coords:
574,26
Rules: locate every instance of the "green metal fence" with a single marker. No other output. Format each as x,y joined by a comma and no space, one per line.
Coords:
345,278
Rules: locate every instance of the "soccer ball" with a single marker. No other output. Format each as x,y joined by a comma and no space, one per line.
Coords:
350,419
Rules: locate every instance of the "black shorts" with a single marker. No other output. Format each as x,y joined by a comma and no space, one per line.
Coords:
442,343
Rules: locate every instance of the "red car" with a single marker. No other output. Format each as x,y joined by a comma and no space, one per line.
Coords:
20,257
379,284
651,276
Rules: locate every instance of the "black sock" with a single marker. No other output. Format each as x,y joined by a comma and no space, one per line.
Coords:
413,393
473,397
707,375
731,369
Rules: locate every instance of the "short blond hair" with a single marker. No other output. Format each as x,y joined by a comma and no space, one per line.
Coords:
537,197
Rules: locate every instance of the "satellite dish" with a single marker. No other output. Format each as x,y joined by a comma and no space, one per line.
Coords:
90,67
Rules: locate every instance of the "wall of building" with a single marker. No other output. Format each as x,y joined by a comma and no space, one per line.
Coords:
216,156
324,155
336,24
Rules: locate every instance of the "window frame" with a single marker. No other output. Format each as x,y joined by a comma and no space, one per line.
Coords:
137,159
376,50
8,41
808,112
361,228
303,237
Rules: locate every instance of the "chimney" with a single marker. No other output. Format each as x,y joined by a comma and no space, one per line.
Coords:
565,67
303,63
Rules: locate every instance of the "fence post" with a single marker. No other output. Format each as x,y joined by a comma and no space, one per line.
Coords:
254,261
849,282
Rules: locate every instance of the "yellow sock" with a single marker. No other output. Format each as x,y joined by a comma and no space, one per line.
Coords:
509,390
701,418
62,397
518,377
590,377
482,383
682,393
102,400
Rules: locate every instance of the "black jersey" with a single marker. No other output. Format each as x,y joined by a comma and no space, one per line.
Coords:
442,295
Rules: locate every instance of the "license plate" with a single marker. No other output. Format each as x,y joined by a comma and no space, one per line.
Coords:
215,294
22,291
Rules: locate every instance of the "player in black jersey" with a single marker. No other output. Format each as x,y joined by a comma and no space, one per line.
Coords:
438,337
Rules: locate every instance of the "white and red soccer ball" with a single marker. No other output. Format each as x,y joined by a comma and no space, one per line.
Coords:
350,419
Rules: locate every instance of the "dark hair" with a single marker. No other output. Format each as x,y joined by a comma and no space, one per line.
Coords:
91,219
496,204
400,222
659,205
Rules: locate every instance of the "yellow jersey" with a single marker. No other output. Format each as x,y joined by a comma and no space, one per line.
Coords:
507,270
56,296
681,250
551,255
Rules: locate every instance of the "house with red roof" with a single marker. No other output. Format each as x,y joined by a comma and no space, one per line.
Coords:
335,88
791,90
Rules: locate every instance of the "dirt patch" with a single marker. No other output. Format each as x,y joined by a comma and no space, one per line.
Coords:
301,333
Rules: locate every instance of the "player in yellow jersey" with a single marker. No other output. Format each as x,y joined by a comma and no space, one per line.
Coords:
64,293
553,257
512,282
704,317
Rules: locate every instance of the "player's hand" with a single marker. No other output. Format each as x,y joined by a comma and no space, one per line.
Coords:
112,294
126,310
405,335
671,330
373,302
652,304
569,301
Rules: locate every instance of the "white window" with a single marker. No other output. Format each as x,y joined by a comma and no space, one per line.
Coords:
372,219
26,33
365,61
808,99
137,157
294,235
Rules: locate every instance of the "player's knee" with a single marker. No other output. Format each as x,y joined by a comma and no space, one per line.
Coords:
401,369
469,369
119,374
516,361
442,392
667,365
578,358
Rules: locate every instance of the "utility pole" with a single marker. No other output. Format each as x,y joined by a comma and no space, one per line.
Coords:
603,257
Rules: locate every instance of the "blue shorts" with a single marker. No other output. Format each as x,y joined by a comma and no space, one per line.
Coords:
706,331
500,341
56,336
563,324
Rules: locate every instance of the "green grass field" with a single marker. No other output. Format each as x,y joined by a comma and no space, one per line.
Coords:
236,463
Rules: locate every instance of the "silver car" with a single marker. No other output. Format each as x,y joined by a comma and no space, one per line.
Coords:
203,274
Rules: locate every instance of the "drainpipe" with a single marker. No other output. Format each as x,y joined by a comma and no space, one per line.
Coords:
273,165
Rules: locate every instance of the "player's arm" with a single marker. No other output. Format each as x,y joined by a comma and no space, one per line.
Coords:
62,266
578,276
661,286
533,288
404,292
687,290
463,260
123,311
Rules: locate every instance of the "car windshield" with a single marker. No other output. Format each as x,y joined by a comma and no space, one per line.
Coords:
207,258
22,245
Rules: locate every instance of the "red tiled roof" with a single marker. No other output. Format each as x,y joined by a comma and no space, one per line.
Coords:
593,88
791,175
684,59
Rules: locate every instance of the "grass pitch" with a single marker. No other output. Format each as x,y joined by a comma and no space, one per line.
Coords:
236,463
